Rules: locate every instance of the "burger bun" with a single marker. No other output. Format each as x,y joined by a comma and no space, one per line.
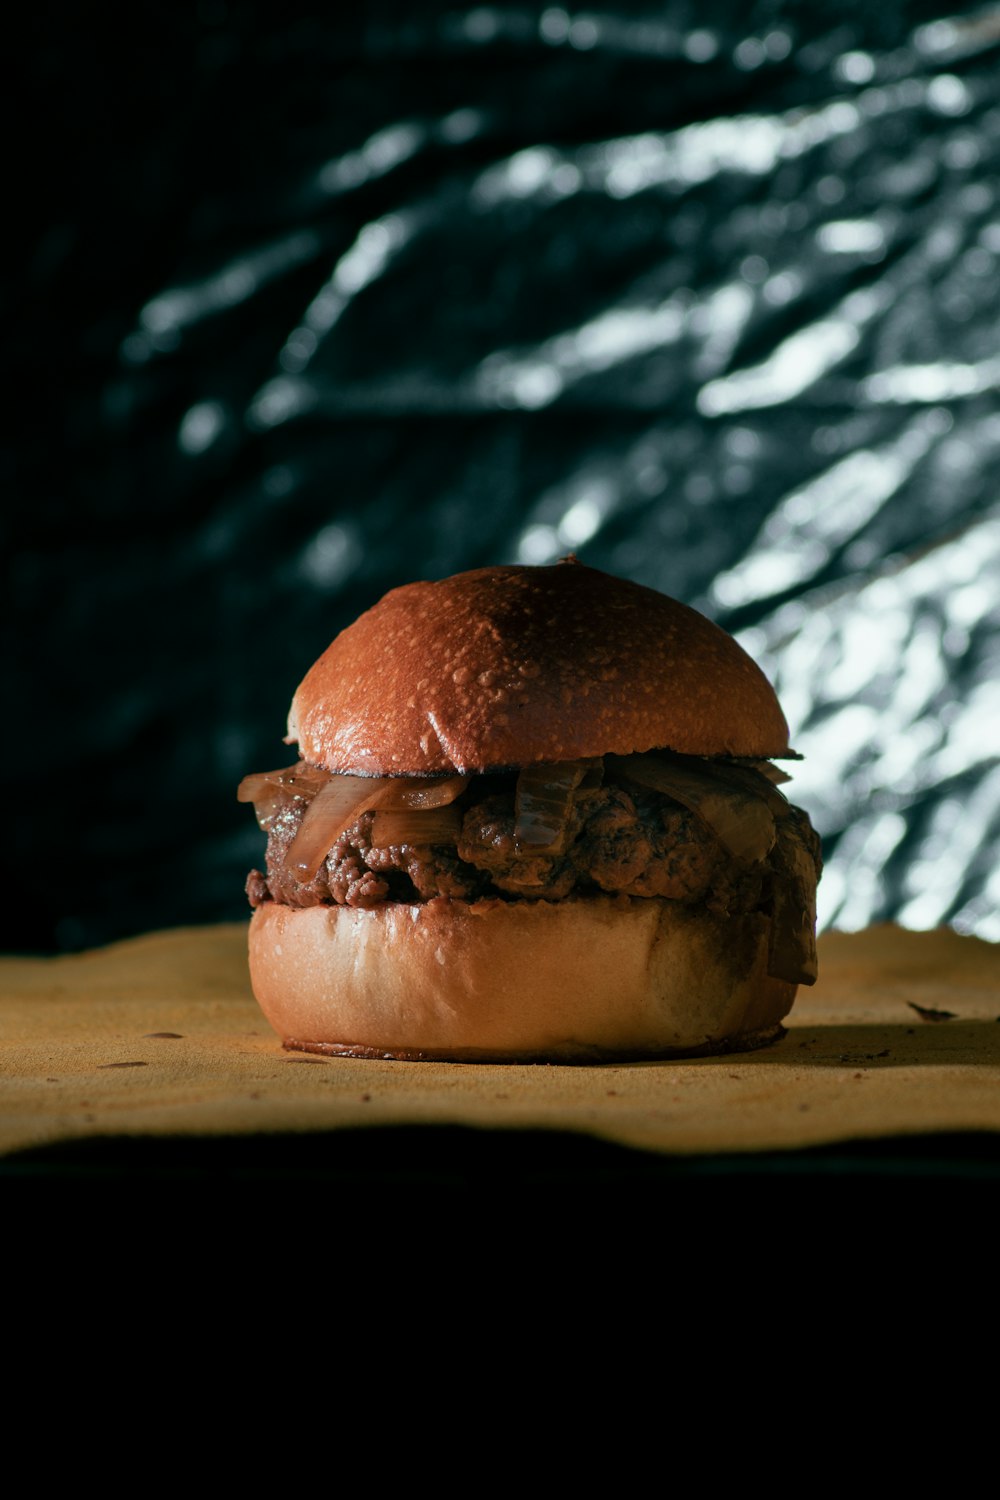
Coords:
593,979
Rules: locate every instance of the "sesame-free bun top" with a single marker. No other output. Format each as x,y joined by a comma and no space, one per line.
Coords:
510,666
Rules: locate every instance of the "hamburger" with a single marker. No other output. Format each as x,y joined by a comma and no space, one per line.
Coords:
535,817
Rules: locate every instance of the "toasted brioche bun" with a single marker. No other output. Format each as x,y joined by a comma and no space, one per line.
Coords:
583,980
511,666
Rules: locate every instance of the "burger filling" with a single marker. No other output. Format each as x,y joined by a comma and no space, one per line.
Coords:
718,834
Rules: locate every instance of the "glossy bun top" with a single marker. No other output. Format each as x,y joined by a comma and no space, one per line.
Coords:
509,666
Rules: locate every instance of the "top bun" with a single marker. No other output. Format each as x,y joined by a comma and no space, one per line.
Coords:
510,666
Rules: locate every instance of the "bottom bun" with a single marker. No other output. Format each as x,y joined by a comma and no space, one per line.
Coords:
593,979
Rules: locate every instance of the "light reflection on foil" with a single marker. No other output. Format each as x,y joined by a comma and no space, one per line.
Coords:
619,334
896,688
362,264
750,358
383,151
395,144
578,510
173,311
751,145
280,401
803,530
904,385
855,67
533,171
201,426
648,37
864,237
331,556
796,364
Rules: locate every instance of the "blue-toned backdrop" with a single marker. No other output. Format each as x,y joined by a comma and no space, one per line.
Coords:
306,306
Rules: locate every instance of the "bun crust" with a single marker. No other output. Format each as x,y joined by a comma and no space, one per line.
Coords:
588,980
511,666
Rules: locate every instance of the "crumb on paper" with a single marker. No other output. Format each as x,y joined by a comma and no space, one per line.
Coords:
928,1013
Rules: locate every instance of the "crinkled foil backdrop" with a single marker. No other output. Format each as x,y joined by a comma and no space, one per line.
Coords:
315,304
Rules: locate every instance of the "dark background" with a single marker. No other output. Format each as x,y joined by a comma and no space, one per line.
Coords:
303,305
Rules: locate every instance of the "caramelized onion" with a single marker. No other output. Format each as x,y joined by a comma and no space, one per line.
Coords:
543,804
272,791
301,780
418,792
739,817
344,798
334,808
439,825
269,805
775,775
746,778
257,786
253,788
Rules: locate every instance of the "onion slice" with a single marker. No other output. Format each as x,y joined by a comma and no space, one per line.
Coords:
301,780
344,798
774,774
259,784
415,792
739,816
752,781
433,828
334,808
543,804
272,791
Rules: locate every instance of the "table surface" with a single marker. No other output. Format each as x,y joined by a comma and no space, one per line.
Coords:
160,1036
